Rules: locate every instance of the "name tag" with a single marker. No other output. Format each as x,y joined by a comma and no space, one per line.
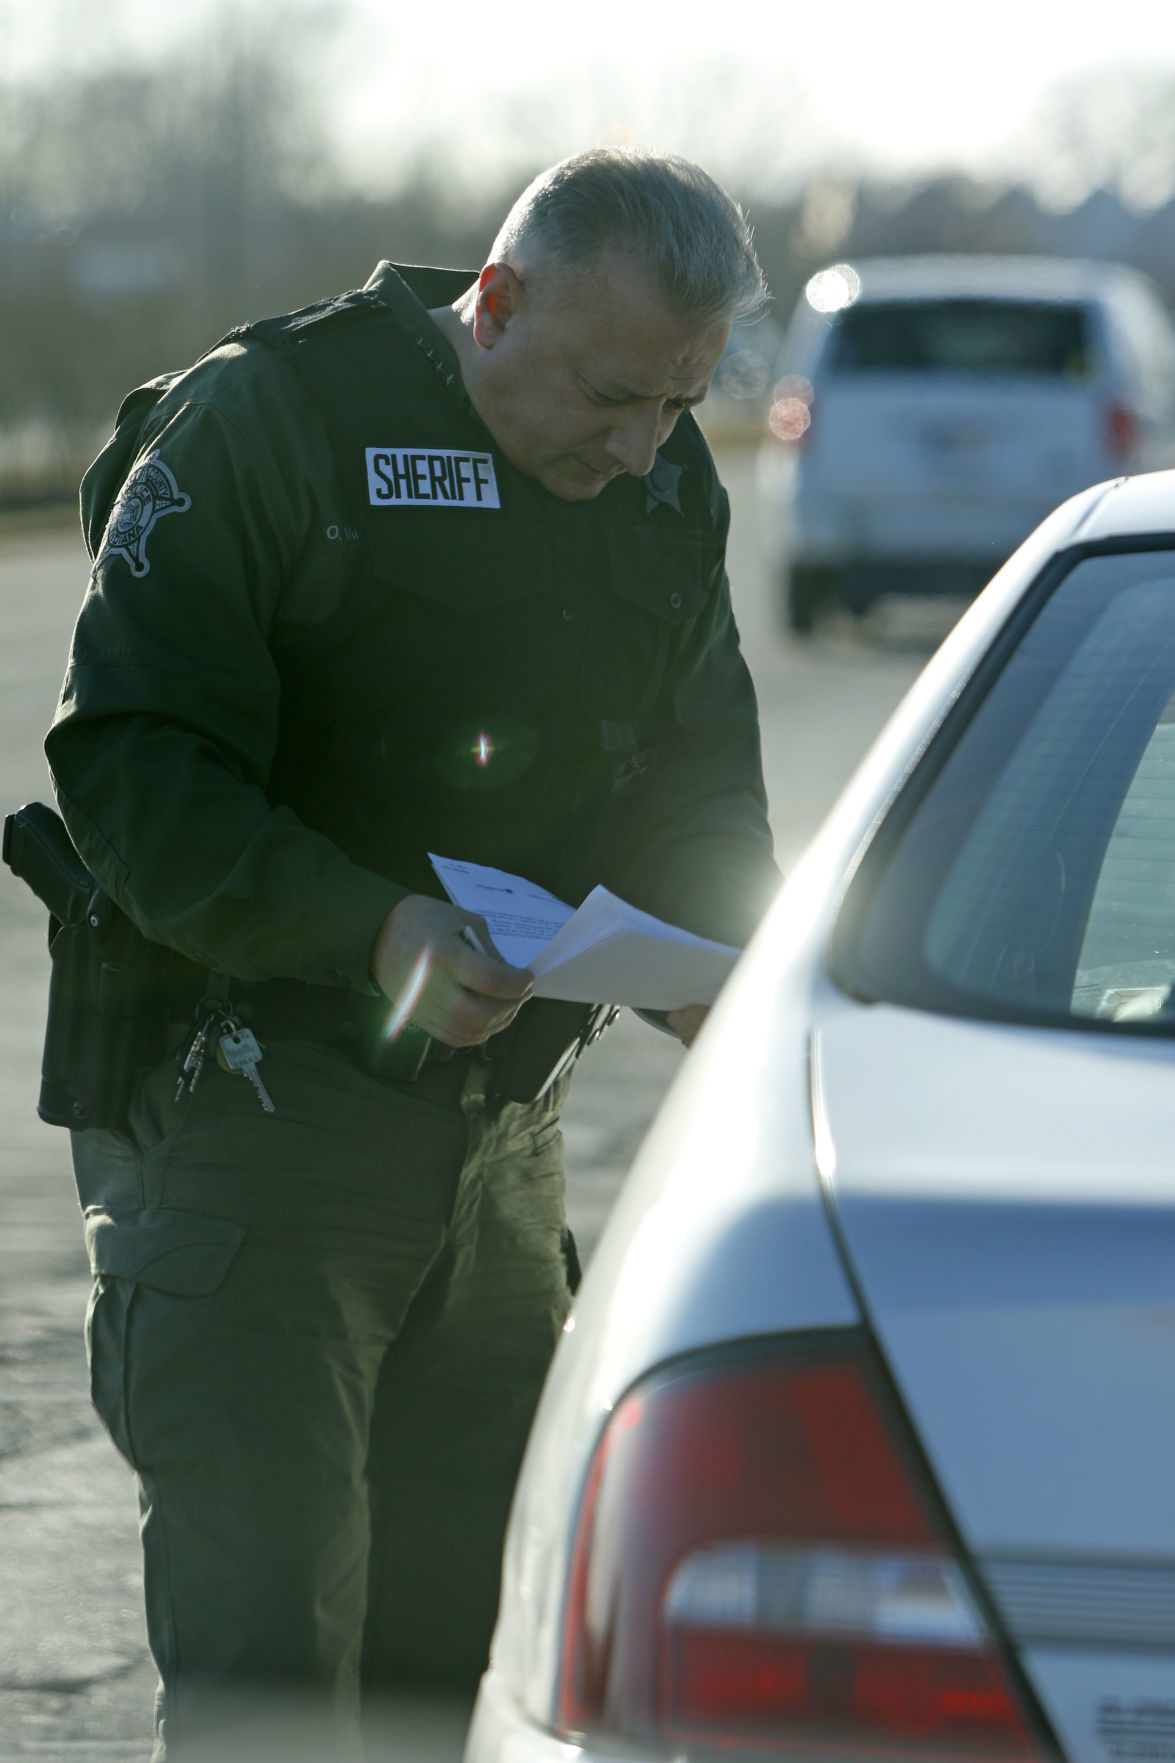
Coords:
434,477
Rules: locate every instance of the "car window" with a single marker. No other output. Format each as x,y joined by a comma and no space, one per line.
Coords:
1127,961
1036,875
962,336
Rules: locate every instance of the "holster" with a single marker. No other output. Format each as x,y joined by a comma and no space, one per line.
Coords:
108,983
544,1040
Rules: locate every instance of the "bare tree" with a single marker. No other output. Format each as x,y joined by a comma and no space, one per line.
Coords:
1109,129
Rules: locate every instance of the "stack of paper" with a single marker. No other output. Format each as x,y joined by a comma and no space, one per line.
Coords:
607,952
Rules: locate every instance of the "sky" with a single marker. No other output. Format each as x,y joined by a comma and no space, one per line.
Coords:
893,85
900,83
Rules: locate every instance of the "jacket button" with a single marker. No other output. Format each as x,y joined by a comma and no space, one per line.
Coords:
568,615
675,602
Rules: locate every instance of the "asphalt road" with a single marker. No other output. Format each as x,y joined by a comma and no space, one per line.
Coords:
75,1679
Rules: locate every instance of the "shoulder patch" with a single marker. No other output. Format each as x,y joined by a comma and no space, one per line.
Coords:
147,495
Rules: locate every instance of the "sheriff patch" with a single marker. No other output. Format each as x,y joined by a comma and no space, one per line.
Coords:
430,477
148,494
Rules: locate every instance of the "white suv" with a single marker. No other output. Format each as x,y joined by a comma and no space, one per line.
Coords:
931,410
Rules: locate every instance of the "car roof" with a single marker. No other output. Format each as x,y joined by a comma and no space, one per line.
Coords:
960,276
1133,507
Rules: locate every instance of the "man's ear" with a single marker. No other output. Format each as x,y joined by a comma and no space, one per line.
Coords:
500,298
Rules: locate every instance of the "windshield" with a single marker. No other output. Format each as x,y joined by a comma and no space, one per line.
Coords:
961,336
1036,876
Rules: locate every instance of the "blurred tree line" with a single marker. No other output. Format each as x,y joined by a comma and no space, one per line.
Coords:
143,212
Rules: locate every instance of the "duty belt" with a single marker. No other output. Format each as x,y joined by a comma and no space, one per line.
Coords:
543,1041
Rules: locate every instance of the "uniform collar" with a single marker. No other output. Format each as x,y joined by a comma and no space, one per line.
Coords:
409,291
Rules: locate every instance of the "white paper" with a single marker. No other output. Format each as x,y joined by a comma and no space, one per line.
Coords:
607,952
522,917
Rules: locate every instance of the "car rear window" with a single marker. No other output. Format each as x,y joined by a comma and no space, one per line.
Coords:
1035,875
962,336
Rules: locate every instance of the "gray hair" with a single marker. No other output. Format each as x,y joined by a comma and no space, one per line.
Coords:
669,213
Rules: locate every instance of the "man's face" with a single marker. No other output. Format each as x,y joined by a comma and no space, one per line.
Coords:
582,375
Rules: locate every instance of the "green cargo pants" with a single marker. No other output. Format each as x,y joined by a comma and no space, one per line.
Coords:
318,1337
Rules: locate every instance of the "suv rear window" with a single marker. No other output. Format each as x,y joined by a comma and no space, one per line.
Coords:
1034,878
961,336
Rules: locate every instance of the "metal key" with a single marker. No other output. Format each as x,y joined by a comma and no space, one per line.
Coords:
194,1063
237,1050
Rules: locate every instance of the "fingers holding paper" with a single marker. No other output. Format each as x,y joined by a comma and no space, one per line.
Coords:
449,984
605,951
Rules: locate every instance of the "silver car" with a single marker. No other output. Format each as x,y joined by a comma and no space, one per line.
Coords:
933,409
861,1438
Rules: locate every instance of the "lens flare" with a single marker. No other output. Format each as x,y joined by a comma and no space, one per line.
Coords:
484,750
790,415
830,290
402,1006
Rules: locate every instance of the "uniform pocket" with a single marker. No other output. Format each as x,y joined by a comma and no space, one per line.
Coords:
467,563
655,586
662,575
107,1322
175,1252
183,1253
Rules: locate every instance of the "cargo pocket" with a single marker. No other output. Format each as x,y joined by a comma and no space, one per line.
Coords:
180,1253
184,1253
106,1337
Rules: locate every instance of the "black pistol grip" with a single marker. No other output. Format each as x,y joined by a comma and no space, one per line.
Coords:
40,852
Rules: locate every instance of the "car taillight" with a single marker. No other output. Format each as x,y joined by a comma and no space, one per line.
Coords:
759,1561
789,414
1120,429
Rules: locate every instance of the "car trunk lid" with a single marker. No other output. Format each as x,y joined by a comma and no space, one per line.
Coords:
969,439
1003,1199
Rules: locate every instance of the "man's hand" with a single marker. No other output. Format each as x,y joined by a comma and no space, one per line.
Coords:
420,961
686,1022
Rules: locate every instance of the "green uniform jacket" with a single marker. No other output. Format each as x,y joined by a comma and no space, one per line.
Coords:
329,628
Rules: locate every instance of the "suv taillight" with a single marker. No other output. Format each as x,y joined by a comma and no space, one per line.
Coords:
759,1562
1121,429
